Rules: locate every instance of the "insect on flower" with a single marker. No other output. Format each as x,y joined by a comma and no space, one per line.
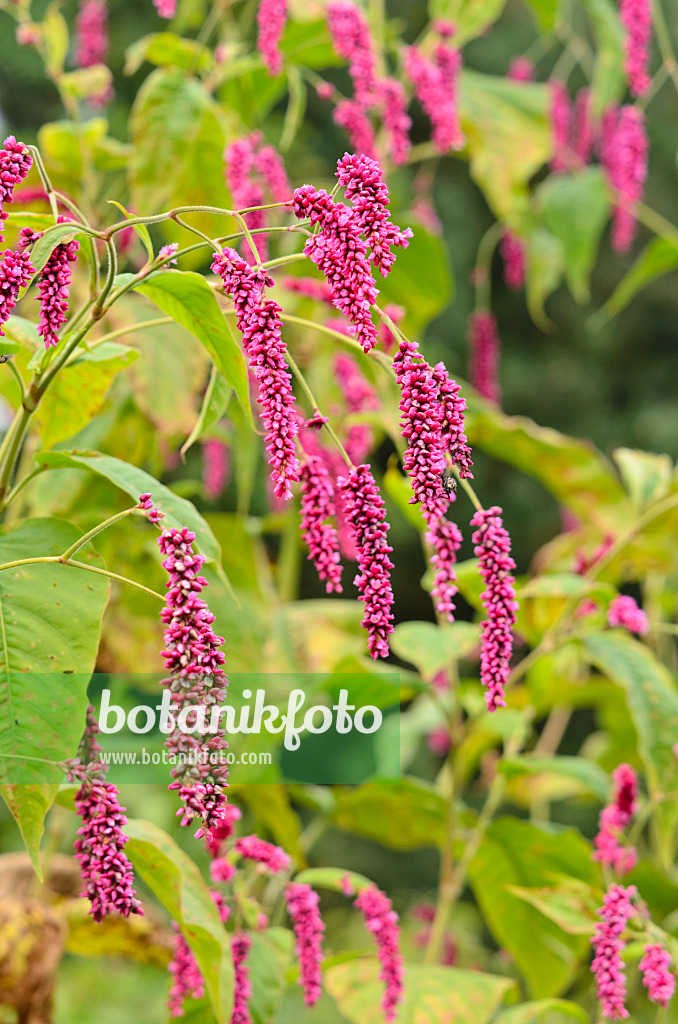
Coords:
448,483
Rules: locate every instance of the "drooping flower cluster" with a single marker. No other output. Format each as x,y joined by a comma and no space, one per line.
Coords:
309,287
513,255
260,324
382,921
166,8
352,40
573,131
445,538
624,611
271,857
624,158
614,818
608,966
493,549
54,285
241,943
659,980
216,466
100,851
193,658
351,116
271,21
252,171
484,355
636,18
91,33
15,163
16,270
435,86
521,69
421,426
317,505
302,906
366,516
366,190
187,981
396,120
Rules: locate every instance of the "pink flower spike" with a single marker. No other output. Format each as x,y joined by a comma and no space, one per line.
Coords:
614,818
271,167
658,978
15,163
513,255
623,155
271,21
366,189
223,830
560,125
16,270
351,38
266,854
153,514
636,18
445,538
366,515
317,505
608,966
624,611
493,550
382,921
241,944
351,116
433,87
439,741
53,286
421,425
221,870
187,980
453,428
91,33
521,69
216,465
397,122
302,906
166,8
484,355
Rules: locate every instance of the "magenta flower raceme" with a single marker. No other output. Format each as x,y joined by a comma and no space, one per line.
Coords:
521,69
260,324
223,830
614,818
53,285
453,429
448,62
166,8
366,189
421,425
317,505
100,851
271,167
152,513
91,33
269,856
216,465
187,981
382,921
493,550
16,270
560,125
309,287
445,538
432,87
193,658
302,906
341,254
366,515
239,162
636,18
484,355
439,741
624,158
658,978
396,120
352,40
624,611
608,966
351,116
513,255
15,163
271,20
241,944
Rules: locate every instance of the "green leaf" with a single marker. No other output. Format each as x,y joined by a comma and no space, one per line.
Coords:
270,803
333,878
140,229
543,1009
507,126
659,257
420,281
175,880
572,905
55,36
515,852
433,995
21,332
545,266
647,476
401,815
471,17
50,616
87,83
43,248
189,300
575,209
214,405
79,391
589,774
166,49
565,585
268,961
134,481
545,12
432,648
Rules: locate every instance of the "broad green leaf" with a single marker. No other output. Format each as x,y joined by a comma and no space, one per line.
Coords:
64,146
130,938
79,391
43,248
548,1010
87,83
134,481
575,472
545,12
166,49
140,229
214,405
189,300
432,648
50,616
545,266
433,995
402,815
514,852
55,38
509,138
267,962
659,257
20,331
647,476
575,210
587,773
420,281
333,878
609,82
471,17
572,905
176,882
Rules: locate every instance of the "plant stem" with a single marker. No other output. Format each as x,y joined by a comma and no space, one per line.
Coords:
81,565
69,552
